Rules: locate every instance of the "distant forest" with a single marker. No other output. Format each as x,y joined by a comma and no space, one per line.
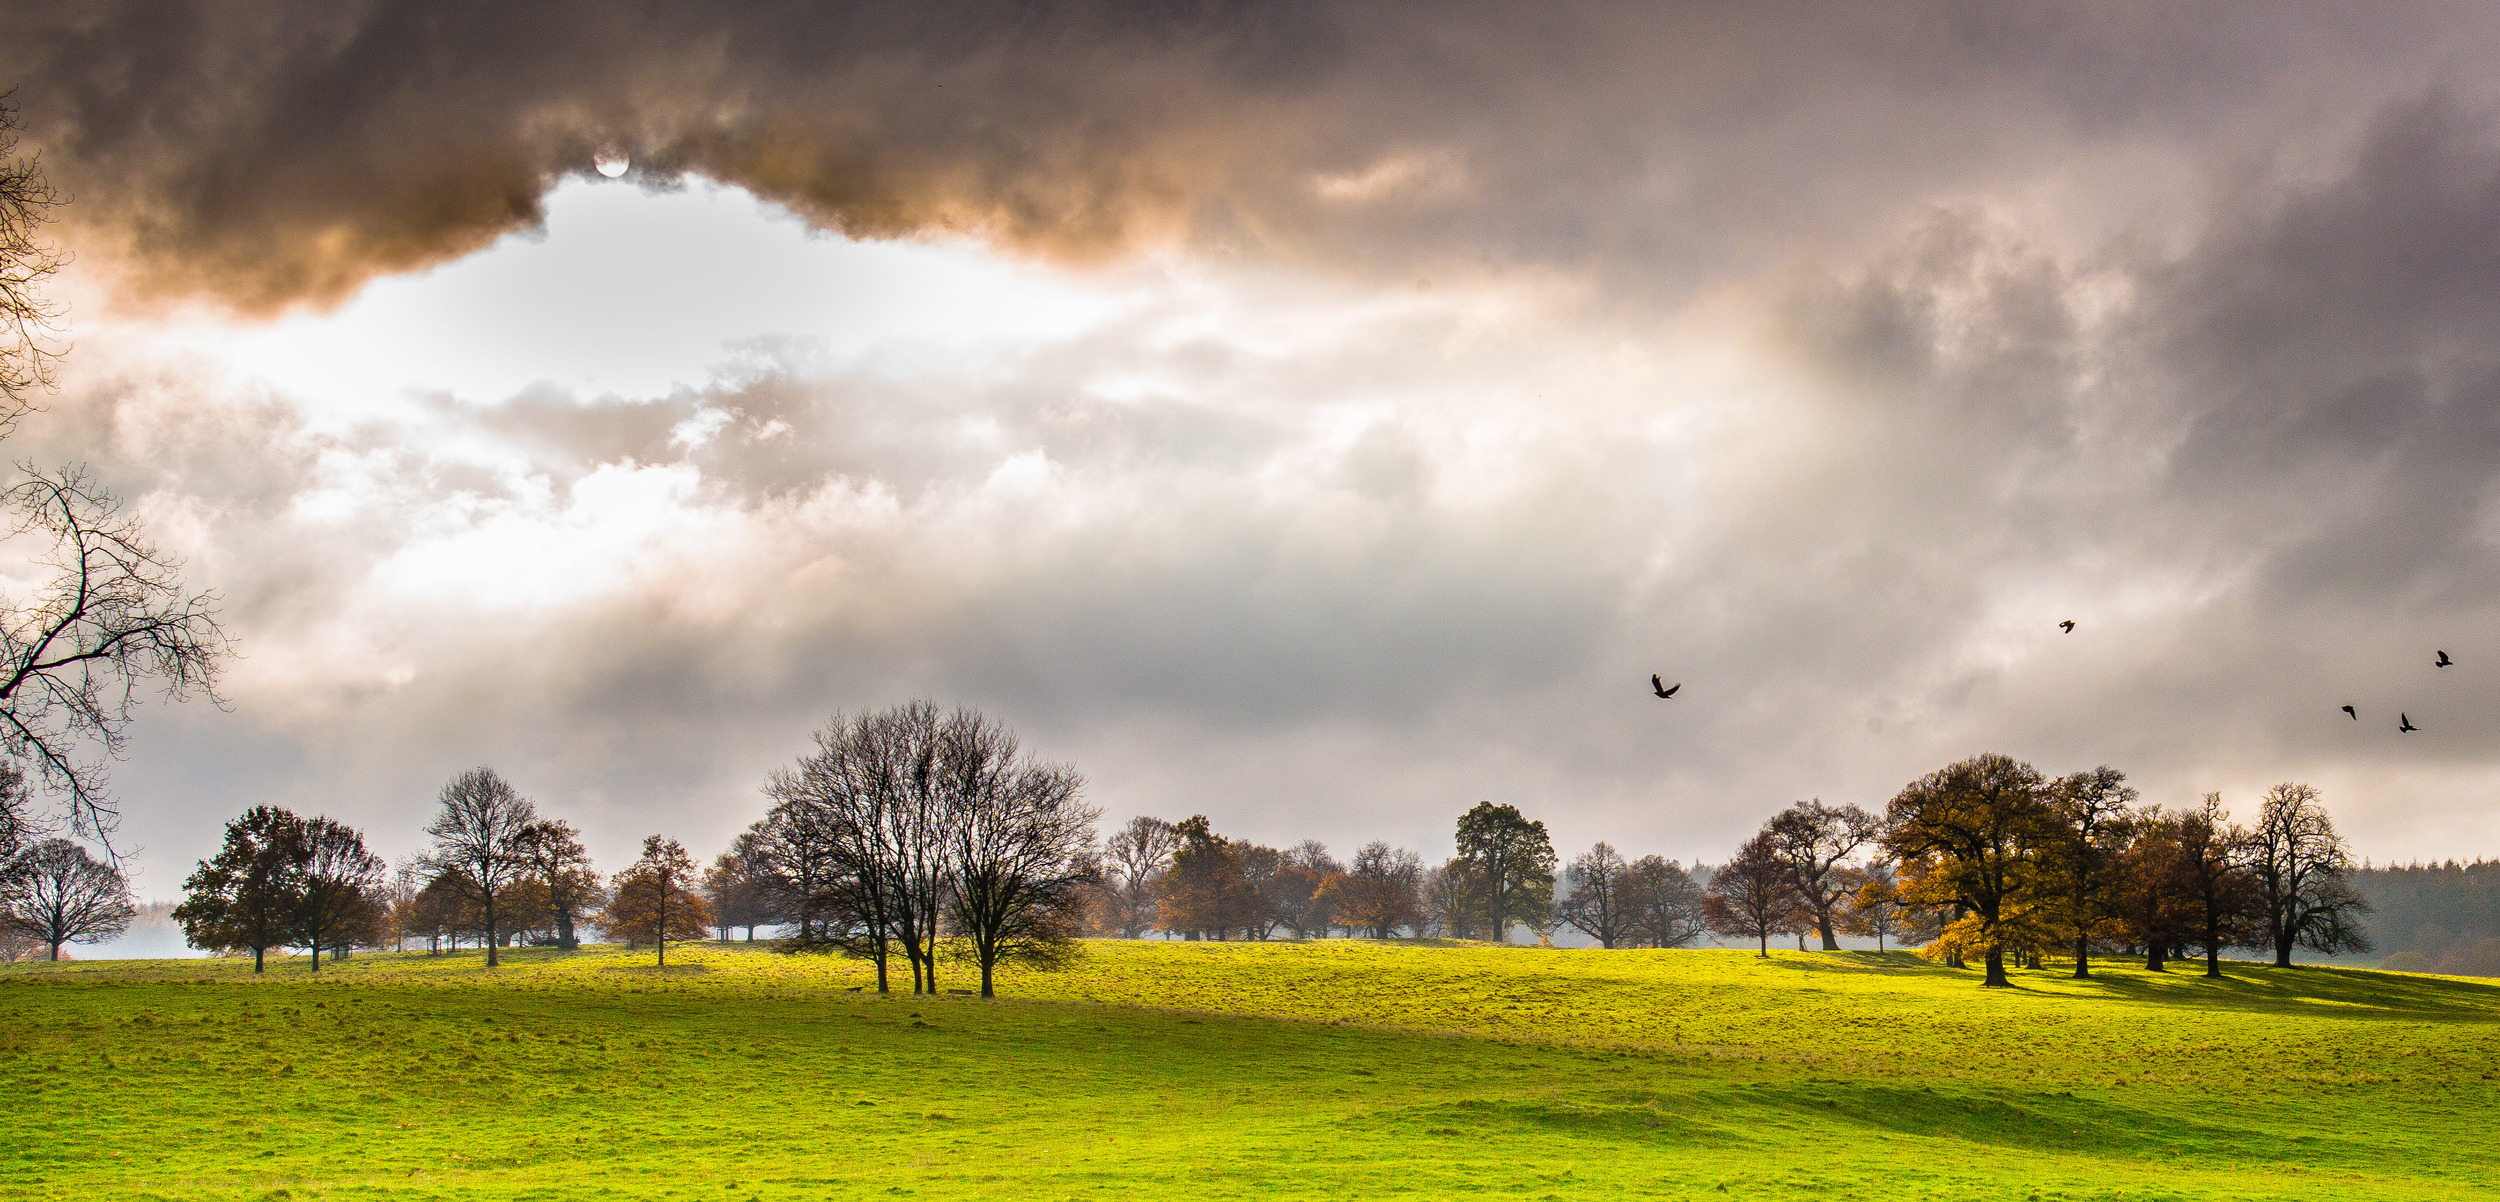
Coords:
2435,917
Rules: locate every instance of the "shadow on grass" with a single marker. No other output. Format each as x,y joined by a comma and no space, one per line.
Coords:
2266,988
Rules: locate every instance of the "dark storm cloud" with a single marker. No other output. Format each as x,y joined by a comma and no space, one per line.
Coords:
272,154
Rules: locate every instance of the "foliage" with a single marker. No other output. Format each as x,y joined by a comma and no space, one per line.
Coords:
1817,841
1754,895
1512,861
245,898
655,900
1973,830
482,839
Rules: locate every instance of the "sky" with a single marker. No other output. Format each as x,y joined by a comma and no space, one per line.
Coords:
1322,418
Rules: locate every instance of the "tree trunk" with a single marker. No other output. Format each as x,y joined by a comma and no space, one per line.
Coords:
2213,959
2282,949
2152,958
1996,969
1823,923
491,941
316,954
989,960
2083,956
1766,944
257,965
56,951
564,930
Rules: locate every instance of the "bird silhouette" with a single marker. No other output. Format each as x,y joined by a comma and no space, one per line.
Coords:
2348,712
2405,723
1661,687
2068,626
2443,661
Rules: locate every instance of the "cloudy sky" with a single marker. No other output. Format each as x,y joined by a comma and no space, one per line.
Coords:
1321,418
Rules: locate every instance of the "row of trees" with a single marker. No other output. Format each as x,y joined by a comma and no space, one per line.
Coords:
1989,858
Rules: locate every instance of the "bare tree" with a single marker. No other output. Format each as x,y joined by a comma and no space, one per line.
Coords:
2300,863
27,201
114,613
1817,840
828,840
1022,855
480,842
1755,894
55,893
1135,857
335,903
1599,903
246,896
553,858
739,886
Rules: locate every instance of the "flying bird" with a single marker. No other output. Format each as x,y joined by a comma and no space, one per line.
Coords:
2444,661
2068,626
2348,713
1661,687
2405,723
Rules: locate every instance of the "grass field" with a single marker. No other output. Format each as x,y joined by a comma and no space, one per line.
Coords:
1331,1070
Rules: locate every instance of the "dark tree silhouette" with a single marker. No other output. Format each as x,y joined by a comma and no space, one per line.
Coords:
2091,820
2300,864
335,903
1754,896
246,897
480,843
2211,865
55,893
1975,826
1817,841
1023,847
1514,860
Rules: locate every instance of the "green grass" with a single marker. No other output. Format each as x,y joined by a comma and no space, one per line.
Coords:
1328,1070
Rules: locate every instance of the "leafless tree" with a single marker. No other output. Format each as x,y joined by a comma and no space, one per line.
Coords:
1380,893
73,655
551,852
739,886
27,318
336,904
829,841
1817,840
480,843
55,893
1022,838
2300,863
1135,857
1598,904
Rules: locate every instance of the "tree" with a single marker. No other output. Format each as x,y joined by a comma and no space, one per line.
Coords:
1207,893
739,886
247,896
1294,893
1755,894
1876,909
2210,865
335,903
2091,819
1976,827
653,901
552,857
1023,847
1134,859
55,893
1599,903
1665,905
481,840
114,614
1377,893
1817,840
1514,860
2300,864
1454,900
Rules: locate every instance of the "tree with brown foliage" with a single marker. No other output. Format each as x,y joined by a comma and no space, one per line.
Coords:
739,886
1206,893
1876,909
1294,894
2211,866
1975,827
655,901
1664,903
1754,895
556,863
245,897
1379,893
